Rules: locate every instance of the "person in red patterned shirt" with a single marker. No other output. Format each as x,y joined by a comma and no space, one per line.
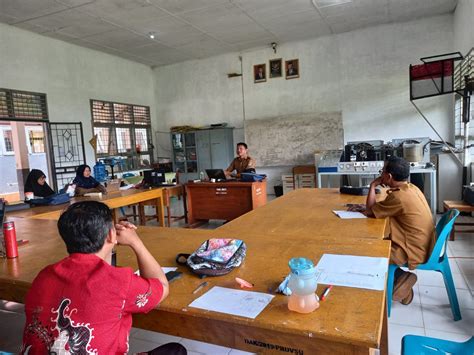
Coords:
82,304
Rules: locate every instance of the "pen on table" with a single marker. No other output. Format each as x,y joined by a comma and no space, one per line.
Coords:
22,241
361,274
326,292
201,286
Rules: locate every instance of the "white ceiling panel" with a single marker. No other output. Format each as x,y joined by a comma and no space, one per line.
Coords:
120,39
169,56
188,29
169,30
181,6
32,27
404,10
217,17
26,9
205,47
306,30
247,33
264,9
73,24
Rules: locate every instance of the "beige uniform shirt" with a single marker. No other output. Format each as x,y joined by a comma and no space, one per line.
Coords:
240,165
412,231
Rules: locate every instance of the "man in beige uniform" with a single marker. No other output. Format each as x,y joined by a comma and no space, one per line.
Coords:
242,162
412,231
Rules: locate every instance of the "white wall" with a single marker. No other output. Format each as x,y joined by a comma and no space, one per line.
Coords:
463,26
362,73
70,76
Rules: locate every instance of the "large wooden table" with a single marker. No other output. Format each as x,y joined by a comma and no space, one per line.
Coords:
349,322
223,200
308,211
114,200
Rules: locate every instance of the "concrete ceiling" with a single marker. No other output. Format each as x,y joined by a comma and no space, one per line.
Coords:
191,29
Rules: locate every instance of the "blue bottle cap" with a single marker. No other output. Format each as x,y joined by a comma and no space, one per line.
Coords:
301,266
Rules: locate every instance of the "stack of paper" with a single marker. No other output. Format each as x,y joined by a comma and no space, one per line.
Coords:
237,302
352,271
349,215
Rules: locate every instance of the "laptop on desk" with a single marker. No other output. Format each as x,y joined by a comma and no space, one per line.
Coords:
217,174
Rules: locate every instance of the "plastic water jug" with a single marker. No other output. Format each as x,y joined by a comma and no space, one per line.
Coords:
303,284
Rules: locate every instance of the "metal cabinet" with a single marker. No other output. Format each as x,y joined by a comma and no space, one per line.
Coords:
196,151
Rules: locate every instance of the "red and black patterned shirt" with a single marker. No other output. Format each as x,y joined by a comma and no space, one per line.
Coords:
82,305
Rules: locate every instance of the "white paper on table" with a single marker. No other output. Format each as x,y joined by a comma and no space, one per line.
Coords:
349,214
231,301
164,268
353,271
126,187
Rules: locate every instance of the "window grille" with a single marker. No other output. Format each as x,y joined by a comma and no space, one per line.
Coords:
123,130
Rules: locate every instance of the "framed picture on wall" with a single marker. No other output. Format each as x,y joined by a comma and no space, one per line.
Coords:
259,73
292,69
275,68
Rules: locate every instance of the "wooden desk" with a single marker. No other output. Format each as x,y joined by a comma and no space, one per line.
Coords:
349,322
308,211
223,200
461,206
114,200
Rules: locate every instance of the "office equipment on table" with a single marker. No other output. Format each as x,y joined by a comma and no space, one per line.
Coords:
426,170
236,302
217,174
353,271
154,178
349,214
223,200
438,261
363,151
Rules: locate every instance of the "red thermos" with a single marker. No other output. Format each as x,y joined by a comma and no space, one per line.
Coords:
9,235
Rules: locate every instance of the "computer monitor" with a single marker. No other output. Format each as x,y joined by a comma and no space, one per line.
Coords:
155,177
217,174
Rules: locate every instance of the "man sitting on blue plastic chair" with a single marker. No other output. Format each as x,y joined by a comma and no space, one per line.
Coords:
412,230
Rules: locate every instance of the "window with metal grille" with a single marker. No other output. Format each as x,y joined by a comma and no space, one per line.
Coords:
36,139
7,141
459,125
22,106
123,130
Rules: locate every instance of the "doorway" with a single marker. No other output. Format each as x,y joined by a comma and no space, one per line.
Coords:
23,146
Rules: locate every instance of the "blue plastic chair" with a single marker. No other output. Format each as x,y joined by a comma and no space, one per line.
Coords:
438,261
420,345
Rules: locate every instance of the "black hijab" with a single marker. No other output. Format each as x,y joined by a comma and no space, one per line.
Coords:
81,181
31,184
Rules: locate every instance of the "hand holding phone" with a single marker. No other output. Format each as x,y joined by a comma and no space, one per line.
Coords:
173,275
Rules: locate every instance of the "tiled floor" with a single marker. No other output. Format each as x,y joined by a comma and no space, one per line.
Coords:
429,314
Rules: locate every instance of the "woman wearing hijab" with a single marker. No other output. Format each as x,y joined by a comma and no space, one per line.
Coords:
85,183
37,185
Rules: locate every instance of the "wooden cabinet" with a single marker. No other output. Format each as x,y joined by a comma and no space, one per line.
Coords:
223,200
